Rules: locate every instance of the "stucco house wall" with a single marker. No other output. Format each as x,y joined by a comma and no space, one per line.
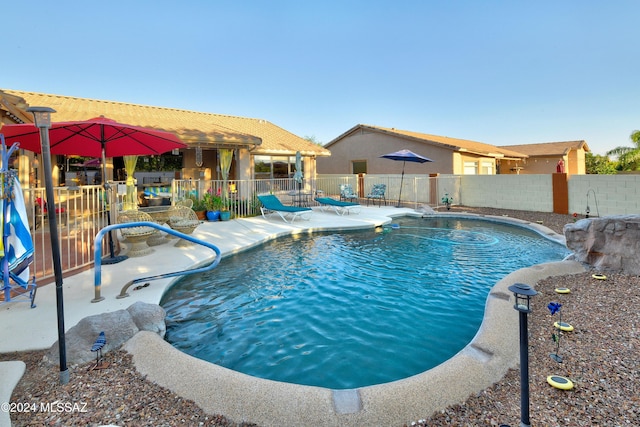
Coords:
364,143
543,157
368,147
577,162
541,165
483,165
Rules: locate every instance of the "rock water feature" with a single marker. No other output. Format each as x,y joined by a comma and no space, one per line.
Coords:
610,243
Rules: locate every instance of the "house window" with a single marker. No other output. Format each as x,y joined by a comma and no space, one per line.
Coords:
262,167
268,167
486,168
280,167
359,166
470,168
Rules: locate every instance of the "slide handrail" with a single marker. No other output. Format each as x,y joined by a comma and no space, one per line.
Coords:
123,293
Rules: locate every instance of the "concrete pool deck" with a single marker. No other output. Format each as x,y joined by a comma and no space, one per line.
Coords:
268,403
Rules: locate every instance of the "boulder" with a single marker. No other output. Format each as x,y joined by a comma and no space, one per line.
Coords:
611,243
118,326
148,317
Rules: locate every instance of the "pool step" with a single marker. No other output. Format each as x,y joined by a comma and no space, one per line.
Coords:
347,401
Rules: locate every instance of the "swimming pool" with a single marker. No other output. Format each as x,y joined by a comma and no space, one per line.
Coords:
345,310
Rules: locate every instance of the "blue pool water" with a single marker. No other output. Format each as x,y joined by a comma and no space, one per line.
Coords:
350,309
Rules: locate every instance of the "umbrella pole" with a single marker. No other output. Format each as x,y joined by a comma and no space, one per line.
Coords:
401,181
113,259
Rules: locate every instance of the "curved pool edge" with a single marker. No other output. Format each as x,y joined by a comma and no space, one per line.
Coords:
539,228
240,397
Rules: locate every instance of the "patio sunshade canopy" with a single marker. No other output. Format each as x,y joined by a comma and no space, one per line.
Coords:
99,137
90,137
405,156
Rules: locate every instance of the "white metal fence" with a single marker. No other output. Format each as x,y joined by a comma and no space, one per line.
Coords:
416,190
82,211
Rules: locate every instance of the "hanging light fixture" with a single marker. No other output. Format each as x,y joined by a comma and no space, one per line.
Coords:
199,156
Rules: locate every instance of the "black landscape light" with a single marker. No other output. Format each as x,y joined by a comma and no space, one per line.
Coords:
523,294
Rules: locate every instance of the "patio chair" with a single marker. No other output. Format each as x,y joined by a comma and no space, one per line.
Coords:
377,193
347,193
43,206
42,212
272,205
184,220
136,237
185,202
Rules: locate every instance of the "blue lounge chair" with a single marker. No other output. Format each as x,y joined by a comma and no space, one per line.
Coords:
271,204
338,206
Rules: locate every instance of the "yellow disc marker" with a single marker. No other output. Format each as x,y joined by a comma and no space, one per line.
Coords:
563,326
563,290
599,276
560,382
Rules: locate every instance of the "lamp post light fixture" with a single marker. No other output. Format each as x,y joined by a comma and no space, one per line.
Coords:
523,294
42,120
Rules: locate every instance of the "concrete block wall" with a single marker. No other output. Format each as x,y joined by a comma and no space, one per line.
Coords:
521,192
608,194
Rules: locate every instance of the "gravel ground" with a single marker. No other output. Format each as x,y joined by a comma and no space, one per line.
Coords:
600,357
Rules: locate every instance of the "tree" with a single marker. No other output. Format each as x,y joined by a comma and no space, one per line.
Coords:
601,165
312,139
628,157
163,162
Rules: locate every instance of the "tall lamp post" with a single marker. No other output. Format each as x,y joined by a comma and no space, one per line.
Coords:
42,120
523,294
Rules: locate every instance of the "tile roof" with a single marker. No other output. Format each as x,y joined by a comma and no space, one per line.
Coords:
191,127
549,148
455,144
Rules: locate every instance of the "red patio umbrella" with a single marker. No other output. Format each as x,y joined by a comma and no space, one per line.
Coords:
97,137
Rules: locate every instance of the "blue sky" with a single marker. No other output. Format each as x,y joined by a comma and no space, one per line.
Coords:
499,72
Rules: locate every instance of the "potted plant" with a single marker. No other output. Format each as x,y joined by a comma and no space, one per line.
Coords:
225,212
447,200
212,205
225,215
199,207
